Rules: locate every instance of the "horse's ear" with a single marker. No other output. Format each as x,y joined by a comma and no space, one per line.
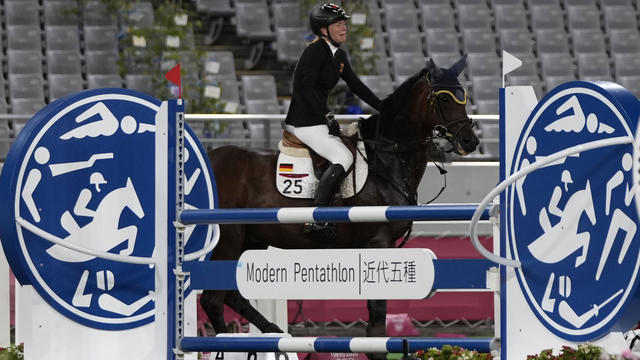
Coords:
433,69
458,67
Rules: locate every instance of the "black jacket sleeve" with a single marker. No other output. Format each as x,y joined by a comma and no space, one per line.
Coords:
359,88
306,74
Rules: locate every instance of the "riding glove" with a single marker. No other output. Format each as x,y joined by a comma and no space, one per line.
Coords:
332,123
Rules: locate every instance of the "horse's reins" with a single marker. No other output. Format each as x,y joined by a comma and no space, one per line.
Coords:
440,131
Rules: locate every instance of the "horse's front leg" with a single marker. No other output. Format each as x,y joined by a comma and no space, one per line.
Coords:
377,317
212,302
243,307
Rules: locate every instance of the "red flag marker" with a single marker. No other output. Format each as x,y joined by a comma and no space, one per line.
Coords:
174,76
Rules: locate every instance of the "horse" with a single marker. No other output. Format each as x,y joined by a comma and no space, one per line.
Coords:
427,106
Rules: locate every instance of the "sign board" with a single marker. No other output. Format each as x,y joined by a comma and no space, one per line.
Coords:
572,223
336,274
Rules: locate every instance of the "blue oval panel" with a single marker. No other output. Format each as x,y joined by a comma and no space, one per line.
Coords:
572,224
82,170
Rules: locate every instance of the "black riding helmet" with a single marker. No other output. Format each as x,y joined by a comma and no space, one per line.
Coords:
325,15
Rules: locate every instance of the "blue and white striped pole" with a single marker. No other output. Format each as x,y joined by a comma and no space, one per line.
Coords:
332,214
327,344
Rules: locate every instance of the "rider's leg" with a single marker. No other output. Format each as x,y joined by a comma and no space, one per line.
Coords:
331,148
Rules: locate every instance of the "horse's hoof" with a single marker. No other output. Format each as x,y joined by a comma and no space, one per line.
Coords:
325,232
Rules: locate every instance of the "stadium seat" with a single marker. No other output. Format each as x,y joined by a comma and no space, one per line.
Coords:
620,18
551,82
626,65
533,3
97,81
141,14
24,61
96,14
485,88
215,7
568,3
404,40
511,17
26,86
516,41
479,41
442,41
588,41
487,65
433,17
583,17
607,3
100,38
60,13
624,41
228,89
557,65
551,41
252,21
287,15
259,87
24,37
63,62
102,62
290,42
381,85
594,66
547,17
434,2
261,107
397,2
374,20
139,82
400,17
474,16
25,12
62,37
406,65
63,84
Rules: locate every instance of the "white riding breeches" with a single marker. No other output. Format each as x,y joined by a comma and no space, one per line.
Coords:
326,145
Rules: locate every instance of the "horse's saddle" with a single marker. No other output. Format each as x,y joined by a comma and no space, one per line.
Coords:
299,168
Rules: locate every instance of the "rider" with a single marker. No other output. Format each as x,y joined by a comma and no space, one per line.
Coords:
318,70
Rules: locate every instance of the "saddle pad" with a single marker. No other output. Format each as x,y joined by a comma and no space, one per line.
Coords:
295,177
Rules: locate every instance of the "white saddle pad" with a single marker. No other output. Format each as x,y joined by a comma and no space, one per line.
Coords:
295,177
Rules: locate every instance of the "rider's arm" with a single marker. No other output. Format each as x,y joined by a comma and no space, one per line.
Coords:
358,87
305,79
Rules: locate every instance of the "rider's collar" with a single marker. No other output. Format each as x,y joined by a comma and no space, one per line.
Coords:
333,47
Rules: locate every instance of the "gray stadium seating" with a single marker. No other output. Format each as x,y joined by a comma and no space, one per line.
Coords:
97,81
139,82
551,41
64,62
510,17
583,17
215,7
26,86
100,38
64,84
287,15
547,17
404,40
479,41
259,87
24,12
400,17
407,64
290,42
588,41
624,41
102,62
594,66
433,17
62,37
24,37
442,41
252,21
60,13
474,16
24,61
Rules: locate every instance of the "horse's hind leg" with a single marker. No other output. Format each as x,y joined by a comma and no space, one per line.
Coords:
377,317
243,307
212,302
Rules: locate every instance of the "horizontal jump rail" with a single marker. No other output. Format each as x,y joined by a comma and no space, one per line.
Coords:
289,215
326,345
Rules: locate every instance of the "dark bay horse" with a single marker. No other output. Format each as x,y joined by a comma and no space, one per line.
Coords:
428,105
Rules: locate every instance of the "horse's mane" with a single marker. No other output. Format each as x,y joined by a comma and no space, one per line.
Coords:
391,106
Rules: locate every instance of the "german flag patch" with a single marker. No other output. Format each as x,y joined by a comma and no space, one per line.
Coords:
285,167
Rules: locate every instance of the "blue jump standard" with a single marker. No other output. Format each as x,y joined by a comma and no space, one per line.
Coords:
333,214
326,345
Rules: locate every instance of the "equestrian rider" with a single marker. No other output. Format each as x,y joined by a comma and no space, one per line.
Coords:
318,70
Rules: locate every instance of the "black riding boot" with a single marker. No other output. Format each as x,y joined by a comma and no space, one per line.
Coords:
329,184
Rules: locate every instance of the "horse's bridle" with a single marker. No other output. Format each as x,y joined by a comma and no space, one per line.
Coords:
442,129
